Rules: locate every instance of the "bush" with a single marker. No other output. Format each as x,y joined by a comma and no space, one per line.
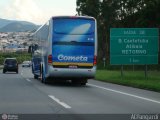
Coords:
100,66
20,56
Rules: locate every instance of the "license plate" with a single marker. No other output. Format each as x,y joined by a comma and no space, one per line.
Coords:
73,66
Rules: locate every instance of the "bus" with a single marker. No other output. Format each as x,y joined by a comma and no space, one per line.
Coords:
65,48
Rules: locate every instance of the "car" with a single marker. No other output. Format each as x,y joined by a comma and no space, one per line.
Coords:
30,62
11,65
26,64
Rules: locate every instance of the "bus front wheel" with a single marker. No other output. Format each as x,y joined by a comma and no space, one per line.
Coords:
35,76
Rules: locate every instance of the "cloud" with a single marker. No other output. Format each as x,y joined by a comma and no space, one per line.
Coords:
24,10
37,11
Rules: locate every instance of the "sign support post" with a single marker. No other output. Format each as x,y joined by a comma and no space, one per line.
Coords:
146,73
122,71
104,62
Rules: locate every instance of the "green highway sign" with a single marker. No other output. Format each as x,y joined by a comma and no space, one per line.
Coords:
138,46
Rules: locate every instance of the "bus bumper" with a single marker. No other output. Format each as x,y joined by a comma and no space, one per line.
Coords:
71,73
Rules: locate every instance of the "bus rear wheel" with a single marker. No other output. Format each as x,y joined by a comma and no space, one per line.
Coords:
79,81
84,81
42,76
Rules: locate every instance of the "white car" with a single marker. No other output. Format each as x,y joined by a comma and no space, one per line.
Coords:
26,64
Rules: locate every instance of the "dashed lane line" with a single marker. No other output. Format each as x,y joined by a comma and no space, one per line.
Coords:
59,102
28,80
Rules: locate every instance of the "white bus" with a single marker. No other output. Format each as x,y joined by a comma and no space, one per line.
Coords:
65,48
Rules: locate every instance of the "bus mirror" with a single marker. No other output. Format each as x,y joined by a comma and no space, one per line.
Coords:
30,49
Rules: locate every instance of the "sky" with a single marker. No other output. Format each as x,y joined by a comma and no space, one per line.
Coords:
36,11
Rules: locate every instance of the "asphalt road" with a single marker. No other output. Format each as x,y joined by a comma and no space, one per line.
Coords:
22,94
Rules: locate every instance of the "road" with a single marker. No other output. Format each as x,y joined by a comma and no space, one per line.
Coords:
22,94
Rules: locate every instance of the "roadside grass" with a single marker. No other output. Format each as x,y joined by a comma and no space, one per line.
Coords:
131,78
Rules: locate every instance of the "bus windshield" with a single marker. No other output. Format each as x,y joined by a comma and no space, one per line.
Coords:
72,26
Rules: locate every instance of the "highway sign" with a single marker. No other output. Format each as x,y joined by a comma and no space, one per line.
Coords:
134,46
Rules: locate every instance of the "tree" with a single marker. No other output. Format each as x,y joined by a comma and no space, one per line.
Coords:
119,13
88,7
105,11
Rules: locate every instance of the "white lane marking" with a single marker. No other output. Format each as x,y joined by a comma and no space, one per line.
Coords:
28,80
132,95
59,102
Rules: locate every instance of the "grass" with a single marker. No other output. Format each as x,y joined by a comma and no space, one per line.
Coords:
131,78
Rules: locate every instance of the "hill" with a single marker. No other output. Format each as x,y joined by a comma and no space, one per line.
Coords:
4,22
16,26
